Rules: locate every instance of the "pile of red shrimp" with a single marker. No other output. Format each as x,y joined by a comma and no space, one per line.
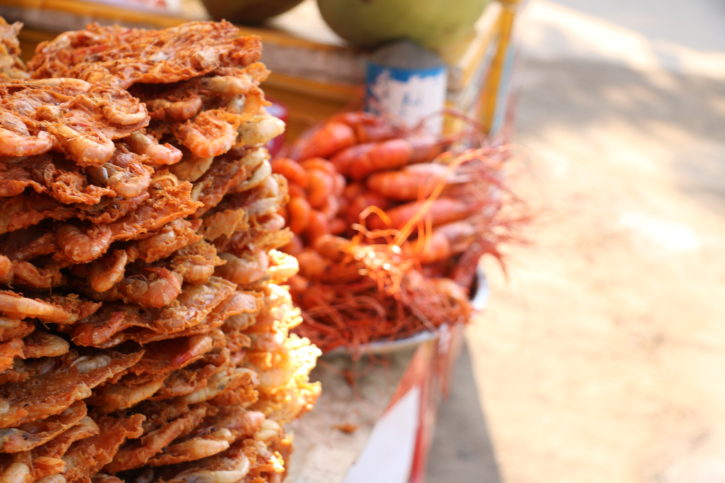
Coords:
144,318
389,227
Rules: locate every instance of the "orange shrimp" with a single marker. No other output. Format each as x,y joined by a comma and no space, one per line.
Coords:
368,127
412,182
337,226
6,269
353,190
319,164
312,264
364,159
299,211
290,169
157,289
438,212
426,146
317,226
320,187
294,247
298,284
360,160
332,247
388,155
445,241
324,141
331,207
364,200
354,118
296,191
338,185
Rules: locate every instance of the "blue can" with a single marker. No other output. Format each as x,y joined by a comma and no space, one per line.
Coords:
407,84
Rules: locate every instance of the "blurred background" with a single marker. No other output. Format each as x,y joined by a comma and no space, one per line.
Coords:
600,357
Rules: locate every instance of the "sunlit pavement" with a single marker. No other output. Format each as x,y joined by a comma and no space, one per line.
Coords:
602,357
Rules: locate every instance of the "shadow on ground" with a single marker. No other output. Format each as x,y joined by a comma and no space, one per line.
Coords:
462,449
679,113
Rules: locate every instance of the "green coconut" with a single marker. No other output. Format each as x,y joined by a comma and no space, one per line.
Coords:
430,23
247,11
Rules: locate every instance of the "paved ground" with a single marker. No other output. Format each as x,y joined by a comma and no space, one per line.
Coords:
602,358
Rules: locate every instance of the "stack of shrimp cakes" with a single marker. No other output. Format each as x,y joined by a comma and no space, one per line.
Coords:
144,320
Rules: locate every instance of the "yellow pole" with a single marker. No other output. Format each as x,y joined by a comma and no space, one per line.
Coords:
489,100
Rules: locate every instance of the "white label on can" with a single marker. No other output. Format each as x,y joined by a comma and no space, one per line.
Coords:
407,96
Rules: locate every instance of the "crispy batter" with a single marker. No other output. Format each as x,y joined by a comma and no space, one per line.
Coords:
126,174
230,82
171,237
147,376
6,269
175,102
22,371
259,176
124,56
91,204
36,433
222,224
260,129
26,274
14,178
166,427
30,209
194,377
11,67
42,344
104,478
225,173
61,309
151,287
12,328
23,468
58,446
288,403
183,100
250,268
211,133
168,200
231,465
169,355
241,211
156,154
51,175
71,115
81,243
260,234
111,209
212,436
105,272
192,167
44,463
240,304
235,379
195,263
9,351
122,396
86,457
110,269
282,267
114,324
70,379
